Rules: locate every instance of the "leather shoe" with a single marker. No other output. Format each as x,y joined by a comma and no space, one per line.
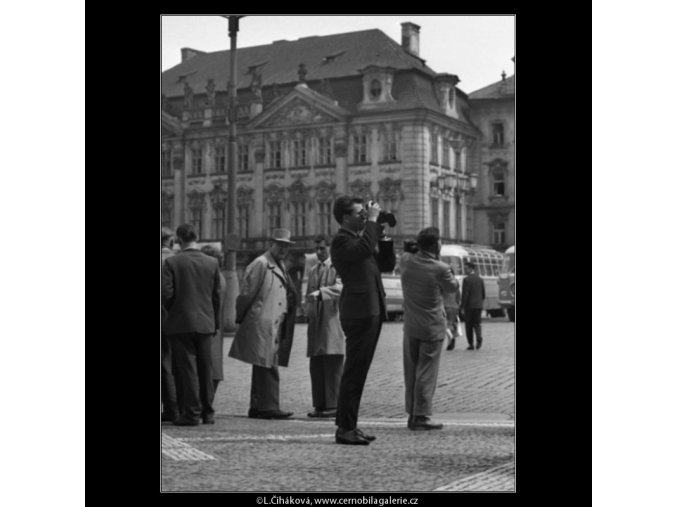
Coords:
350,437
470,347
479,344
182,421
371,438
452,344
208,419
424,423
322,413
268,414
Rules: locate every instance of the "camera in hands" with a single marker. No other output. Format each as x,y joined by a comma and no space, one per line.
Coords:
384,217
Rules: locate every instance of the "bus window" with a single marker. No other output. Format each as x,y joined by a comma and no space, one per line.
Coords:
454,262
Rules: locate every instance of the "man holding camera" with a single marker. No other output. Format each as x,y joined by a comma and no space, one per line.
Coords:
359,256
425,282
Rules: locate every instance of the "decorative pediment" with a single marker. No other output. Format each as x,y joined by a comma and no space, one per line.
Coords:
302,106
361,188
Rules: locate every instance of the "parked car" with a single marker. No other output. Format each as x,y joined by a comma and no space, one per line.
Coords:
394,299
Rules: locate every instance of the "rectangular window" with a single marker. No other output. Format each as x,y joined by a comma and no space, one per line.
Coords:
275,159
220,159
359,149
499,183
219,221
457,161
166,163
435,210
274,217
445,154
299,150
497,134
166,216
389,149
196,160
499,233
446,226
434,148
196,220
243,157
326,157
243,221
324,217
299,219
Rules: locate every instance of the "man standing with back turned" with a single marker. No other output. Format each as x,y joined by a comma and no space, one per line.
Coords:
362,305
425,282
191,294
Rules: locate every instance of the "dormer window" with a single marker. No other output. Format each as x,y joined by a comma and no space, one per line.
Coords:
375,89
377,83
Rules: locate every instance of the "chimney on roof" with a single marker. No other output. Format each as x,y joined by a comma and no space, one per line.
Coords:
410,37
503,74
188,53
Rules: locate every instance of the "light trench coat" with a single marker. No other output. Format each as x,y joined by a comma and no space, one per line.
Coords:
264,292
325,335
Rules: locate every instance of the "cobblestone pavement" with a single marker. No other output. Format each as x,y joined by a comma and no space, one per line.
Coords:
475,450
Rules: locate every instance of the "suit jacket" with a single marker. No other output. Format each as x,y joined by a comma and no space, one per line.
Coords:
359,266
325,335
191,293
165,252
263,295
425,282
472,292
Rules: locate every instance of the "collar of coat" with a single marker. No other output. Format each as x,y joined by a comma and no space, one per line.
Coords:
352,233
278,271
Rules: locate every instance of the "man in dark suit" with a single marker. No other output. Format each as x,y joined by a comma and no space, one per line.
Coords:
362,305
472,302
168,388
425,283
191,294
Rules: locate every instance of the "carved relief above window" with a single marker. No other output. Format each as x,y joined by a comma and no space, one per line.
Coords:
274,194
218,196
196,199
361,188
298,192
324,191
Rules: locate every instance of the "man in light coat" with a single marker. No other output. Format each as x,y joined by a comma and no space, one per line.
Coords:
263,308
425,282
326,341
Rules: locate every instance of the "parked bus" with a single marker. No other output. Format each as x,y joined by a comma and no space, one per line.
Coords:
488,262
506,283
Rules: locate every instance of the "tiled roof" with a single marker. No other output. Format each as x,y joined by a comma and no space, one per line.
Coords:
325,57
502,89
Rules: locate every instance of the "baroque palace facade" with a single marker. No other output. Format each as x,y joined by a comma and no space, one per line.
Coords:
354,113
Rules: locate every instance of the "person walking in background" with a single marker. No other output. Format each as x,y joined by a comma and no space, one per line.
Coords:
191,292
472,302
359,258
452,302
326,341
263,339
217,338
425,282
167,384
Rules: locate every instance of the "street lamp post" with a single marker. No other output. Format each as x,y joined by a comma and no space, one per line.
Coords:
232,242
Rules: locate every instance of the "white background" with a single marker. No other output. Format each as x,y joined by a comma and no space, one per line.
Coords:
634,340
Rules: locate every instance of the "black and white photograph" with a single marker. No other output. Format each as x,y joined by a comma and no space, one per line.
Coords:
337,198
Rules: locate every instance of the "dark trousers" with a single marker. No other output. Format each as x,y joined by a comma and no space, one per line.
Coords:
265,392
167,385
325,379
361,339
473,322
192,358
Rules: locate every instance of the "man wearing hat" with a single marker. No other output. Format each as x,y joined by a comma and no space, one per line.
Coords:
472,302
265,311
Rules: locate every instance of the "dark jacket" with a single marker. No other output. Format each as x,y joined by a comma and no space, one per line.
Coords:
472,292
360,267
190,292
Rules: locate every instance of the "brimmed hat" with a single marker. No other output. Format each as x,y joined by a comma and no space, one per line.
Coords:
282,236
